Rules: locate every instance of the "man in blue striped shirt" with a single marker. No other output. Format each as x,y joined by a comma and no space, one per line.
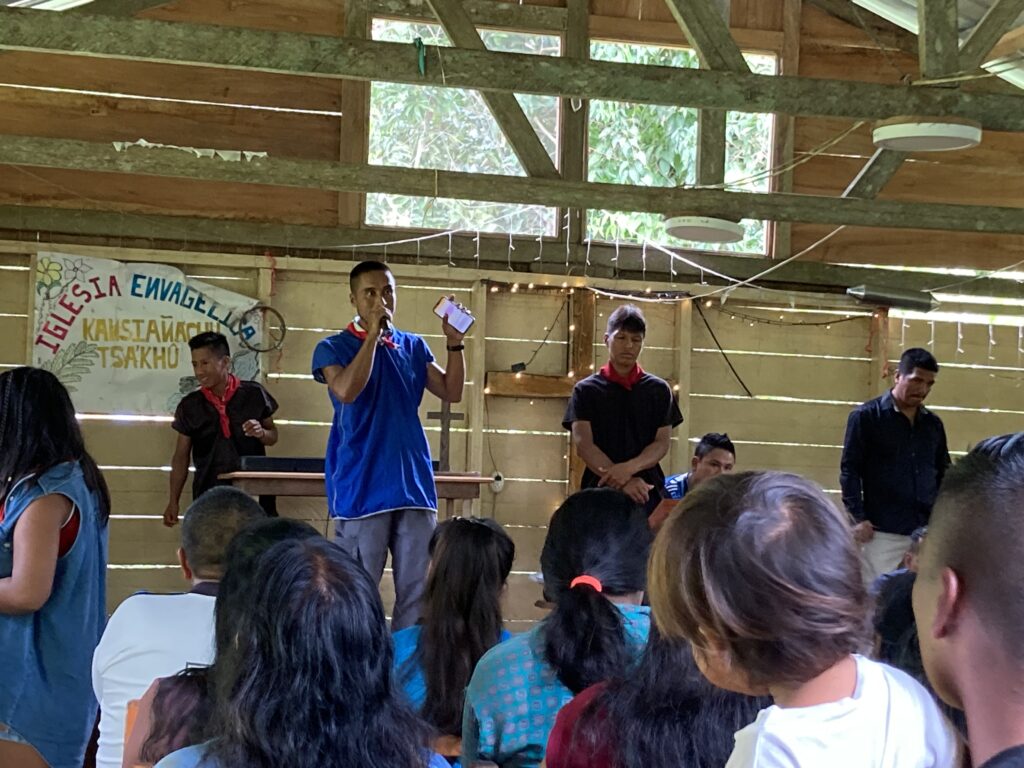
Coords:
713,455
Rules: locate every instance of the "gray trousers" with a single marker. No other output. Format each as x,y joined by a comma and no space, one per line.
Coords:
406,534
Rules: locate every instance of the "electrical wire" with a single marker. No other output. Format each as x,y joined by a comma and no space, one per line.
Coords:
725,356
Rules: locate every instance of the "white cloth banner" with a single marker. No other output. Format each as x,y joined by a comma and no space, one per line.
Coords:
116,334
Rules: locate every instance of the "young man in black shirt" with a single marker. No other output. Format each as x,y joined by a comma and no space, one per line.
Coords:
968,600
894,457
622,418
217,424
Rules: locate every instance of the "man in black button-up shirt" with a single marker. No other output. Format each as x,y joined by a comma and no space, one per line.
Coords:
894,457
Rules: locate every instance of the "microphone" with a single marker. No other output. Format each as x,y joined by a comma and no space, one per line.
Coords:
385,327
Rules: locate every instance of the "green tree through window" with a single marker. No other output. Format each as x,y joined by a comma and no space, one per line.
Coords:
452,129
656,146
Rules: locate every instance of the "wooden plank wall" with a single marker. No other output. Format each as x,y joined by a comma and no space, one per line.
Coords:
804,380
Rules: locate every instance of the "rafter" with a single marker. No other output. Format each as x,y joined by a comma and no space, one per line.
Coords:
506,110
117,7
875,174
986,33
321,56
938,40
342,177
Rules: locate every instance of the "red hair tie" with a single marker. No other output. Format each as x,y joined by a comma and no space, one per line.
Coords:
588,581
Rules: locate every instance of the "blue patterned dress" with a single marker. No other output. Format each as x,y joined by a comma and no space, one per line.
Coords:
514,696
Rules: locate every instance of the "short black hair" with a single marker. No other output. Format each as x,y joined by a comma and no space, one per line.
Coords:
627,318
916,357
711,441
217,342
210,523
976,529
363,268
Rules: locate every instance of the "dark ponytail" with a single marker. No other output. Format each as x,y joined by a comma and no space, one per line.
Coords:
471,559
602,534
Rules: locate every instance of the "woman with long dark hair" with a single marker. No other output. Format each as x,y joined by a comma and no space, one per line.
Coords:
54,507
664,714
594,561
307,678
470,560
175,712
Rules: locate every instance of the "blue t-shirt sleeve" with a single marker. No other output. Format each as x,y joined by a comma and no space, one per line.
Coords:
331,351
424,350
436,761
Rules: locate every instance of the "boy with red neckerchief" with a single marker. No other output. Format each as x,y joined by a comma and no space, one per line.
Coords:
217,424
622,417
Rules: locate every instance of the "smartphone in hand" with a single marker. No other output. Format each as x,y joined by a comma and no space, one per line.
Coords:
459,319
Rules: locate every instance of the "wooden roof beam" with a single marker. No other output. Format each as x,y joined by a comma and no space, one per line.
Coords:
938,37
506,110
221,235
707,30
998,20
322,56
117,7
342,177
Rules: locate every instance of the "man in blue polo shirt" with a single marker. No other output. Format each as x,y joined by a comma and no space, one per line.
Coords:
380,482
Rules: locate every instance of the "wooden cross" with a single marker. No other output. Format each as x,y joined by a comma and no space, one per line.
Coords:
446,418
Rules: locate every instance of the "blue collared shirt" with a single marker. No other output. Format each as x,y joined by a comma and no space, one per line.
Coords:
891,468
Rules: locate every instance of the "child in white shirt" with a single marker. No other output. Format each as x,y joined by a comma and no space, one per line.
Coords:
760,572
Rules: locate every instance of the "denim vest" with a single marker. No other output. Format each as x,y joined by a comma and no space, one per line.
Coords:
45,682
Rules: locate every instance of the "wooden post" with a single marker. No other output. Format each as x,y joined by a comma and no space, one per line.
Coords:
355,118
679,455
785,125
476,372
583,307
574,116
878,377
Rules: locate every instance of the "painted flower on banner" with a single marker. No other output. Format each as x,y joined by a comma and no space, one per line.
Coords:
48,274
77,269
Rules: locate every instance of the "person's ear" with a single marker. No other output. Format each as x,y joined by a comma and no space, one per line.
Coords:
183,562
693,463
949,604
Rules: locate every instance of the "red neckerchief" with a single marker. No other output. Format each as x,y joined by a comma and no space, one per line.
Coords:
623,381
221,403
360,333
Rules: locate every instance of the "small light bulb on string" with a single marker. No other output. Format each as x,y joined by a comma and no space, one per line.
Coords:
675,387
515,288
511,248
991,341
519,374
732,317
531,402
591,366
708,304
451,262
959,338
477,239
931,332
540,249
572,328
782,317
565,285
487,390
647,289
828,327
571,374
643,261
494,289
530,286
751,323
903,333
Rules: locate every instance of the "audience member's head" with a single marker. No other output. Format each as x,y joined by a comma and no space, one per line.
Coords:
595,553
182,704
664,713
210,523
914,377
471,559
968,598
713,455
307,678
760,573
38,431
